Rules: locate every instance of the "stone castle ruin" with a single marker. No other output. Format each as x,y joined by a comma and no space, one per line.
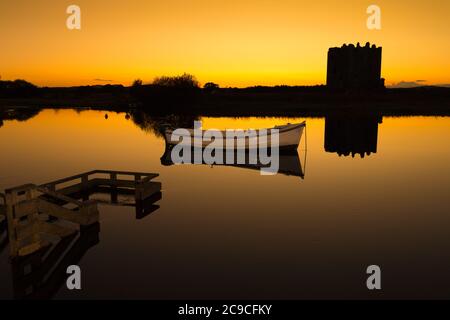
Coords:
355,68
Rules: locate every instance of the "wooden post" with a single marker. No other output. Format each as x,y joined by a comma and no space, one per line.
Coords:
33,216
85,186
137,187
84,181
113,178
2,208
13,245
23,235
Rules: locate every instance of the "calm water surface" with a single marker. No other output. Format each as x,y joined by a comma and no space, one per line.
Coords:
226,232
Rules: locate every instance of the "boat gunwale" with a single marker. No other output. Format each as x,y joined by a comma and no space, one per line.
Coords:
281,129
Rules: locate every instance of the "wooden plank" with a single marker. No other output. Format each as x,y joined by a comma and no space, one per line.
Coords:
25,208
67,179
87,215
28,236
127,173
62,197
24,231
56,230
115,183
144,191
20,189
33,247
70,189
148,178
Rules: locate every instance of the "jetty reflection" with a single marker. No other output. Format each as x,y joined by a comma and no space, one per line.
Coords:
41,274
352,134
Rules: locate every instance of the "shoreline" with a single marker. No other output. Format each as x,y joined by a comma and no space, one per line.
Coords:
261,102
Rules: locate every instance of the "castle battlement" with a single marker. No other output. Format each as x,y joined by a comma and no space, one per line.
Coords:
353,67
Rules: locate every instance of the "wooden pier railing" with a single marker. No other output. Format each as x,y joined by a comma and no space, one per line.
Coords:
26,228
138,181
31,210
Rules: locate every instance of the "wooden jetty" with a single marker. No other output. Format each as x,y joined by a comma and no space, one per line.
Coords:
28,215
115,183
84,182
62,208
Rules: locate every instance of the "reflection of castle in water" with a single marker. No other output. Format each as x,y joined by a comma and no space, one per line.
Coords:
352,134
52,226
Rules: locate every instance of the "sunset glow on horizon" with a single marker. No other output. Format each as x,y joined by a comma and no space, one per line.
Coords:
237,43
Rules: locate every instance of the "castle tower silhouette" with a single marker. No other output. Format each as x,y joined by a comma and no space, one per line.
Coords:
355,68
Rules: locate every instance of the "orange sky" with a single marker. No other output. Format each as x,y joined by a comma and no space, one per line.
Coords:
233,43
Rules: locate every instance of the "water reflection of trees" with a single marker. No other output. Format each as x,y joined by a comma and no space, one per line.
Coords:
157,124
19,114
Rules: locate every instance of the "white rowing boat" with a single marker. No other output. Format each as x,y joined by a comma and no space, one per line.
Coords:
289,136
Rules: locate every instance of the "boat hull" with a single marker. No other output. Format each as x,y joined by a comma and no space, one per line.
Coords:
288,138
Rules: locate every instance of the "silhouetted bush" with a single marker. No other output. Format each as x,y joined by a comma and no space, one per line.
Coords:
210,87
17,89
167,94
185,81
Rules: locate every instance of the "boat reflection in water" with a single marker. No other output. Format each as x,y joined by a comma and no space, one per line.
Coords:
288,158
352,134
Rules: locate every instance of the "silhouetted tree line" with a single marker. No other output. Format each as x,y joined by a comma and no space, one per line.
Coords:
23,89
72,92
183,95
17,89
